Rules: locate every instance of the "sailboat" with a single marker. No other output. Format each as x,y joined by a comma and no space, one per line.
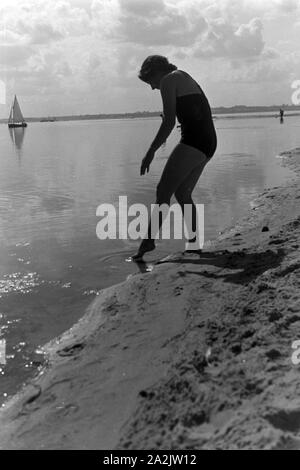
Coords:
16,118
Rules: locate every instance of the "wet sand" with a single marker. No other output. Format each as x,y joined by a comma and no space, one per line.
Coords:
195,354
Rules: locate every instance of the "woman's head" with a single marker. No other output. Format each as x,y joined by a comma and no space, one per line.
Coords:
154,68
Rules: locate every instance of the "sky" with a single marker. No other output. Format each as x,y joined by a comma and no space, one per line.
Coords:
83,56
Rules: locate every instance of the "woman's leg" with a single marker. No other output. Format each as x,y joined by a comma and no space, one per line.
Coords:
184,191
182,170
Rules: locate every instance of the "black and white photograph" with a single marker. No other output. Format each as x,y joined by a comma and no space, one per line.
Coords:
149,228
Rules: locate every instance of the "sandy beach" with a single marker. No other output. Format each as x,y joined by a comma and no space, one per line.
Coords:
195,354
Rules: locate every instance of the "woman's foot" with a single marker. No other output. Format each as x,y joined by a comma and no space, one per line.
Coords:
194,249
145,246
198,251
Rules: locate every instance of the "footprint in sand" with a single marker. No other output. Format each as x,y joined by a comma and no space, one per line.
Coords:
71,350
286,420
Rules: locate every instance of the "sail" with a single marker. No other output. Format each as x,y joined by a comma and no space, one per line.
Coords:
17,113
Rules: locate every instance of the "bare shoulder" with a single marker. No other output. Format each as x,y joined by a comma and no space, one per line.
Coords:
184,82
170,80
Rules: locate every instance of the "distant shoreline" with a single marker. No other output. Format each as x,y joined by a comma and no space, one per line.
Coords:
221,112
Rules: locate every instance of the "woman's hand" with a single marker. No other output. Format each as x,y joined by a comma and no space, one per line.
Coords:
146,162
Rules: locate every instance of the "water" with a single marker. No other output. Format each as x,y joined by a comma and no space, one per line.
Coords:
54,175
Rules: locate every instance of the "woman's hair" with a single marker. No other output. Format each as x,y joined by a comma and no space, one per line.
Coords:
153,64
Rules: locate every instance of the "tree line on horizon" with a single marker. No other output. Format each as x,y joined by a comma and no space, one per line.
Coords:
137,114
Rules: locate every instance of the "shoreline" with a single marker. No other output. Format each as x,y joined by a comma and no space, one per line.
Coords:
195,354
156,115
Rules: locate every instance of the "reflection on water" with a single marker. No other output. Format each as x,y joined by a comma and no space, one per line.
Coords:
52,264
17,136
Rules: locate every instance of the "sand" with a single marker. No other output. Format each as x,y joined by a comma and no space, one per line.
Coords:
195,354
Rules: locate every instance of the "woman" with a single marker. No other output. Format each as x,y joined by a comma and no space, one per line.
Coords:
183,98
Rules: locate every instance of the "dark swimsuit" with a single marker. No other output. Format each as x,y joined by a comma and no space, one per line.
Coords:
197,127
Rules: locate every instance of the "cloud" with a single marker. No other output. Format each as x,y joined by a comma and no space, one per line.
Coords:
157,23
92,49
234,10
278,71
270,53
273,9
223,39
14,55
105,18
39,33
43,22
34,42
142,7
287,6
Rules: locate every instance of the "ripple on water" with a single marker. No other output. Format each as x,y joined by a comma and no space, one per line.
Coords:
19,282
240,155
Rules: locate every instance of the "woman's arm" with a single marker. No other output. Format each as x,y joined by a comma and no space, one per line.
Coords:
168,94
